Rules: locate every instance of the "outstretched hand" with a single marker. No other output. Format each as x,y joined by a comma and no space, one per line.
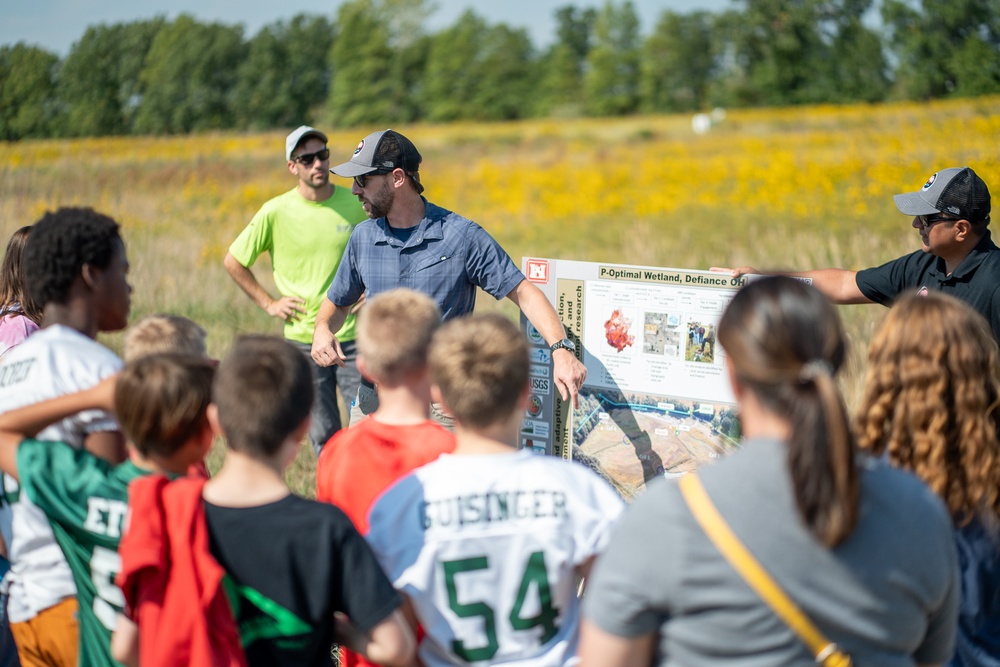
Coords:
568,373
326,349
735,273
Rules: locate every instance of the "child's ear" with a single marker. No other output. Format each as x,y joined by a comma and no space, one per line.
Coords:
206,437
212,412
300,432
294,442
362,365
436,396
88,275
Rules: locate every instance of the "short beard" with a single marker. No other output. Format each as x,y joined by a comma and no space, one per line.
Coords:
381,202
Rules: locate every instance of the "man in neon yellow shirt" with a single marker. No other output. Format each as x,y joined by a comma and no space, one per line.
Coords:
305,231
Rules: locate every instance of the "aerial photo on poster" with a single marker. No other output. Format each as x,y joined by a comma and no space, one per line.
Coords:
657,400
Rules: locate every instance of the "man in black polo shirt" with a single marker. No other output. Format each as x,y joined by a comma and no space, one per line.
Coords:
952,213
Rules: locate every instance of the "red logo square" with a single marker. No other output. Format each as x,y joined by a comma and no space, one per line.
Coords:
538,270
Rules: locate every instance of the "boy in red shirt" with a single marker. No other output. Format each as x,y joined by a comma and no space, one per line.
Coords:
359,463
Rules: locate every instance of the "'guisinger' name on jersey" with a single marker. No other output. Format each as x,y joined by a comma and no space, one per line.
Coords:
492,507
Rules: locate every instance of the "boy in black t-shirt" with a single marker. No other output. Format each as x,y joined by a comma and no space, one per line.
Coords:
291,564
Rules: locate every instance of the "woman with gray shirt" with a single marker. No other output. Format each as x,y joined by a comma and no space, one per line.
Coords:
864,550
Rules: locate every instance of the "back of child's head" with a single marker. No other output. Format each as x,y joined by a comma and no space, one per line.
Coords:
480,365
263,391
13,288
394,333
156,334
161,400
61,242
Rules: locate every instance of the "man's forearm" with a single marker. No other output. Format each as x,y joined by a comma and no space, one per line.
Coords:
539,311
840,285
330,317
568,372
244,277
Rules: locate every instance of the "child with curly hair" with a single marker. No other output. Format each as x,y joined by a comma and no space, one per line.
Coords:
930,406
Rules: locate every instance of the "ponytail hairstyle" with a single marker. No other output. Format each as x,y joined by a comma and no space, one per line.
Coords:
931,399
785,343
14,296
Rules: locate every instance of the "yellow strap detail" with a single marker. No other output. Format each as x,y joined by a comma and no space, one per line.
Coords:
719,532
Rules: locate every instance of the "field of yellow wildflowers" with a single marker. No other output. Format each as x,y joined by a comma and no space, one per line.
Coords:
790,188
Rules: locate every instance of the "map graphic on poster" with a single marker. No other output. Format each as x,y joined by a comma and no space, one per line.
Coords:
657,399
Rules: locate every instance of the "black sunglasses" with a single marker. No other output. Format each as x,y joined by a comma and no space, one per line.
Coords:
362,180
927,222
307,159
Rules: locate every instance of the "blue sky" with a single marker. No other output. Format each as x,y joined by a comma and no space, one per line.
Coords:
56,24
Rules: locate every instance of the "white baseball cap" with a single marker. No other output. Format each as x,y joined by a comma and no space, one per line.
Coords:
301,133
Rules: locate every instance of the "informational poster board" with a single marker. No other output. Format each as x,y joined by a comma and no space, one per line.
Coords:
657,400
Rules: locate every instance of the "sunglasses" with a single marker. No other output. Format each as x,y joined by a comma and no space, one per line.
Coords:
362,180
306,159
926,223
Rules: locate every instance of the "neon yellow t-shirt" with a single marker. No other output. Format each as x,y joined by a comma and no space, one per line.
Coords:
306,241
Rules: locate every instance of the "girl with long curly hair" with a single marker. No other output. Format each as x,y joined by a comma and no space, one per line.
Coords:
931,405
19,316
864,550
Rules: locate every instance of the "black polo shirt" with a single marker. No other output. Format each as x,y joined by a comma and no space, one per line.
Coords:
976,280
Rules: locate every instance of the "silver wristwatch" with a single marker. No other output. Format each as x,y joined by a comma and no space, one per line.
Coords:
564,344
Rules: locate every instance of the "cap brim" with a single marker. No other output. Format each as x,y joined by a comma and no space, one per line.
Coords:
912,203
352,169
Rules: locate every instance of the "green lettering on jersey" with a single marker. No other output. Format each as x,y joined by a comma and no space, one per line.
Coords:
276,622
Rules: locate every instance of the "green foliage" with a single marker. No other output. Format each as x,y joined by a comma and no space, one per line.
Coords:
787,58
377,56
677,63
561,81
945,47
26,91
361,87
376,65
507,77
858,65
452,71
475,71
611,82
99,82
188,78
286,74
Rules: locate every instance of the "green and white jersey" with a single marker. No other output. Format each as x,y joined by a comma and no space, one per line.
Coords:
52,362
85,500
487,547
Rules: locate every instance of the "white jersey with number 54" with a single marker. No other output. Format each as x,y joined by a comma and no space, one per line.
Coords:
487,549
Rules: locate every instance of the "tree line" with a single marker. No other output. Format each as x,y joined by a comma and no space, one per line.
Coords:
374,61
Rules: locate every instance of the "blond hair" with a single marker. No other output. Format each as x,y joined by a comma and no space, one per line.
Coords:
480,364
160,333
394,333
930,401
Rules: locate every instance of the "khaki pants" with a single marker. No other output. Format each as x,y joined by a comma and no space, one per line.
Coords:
50,639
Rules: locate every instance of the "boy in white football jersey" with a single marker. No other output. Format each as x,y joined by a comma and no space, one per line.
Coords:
76,270
489,543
